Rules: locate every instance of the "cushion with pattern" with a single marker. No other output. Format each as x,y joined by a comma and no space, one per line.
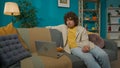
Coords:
96,39
11,50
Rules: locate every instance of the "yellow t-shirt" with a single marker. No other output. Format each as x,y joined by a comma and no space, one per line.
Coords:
71,37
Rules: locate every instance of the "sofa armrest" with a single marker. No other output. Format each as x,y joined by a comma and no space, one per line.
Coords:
111,48
110,44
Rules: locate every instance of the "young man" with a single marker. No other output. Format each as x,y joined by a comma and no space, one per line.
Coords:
76,42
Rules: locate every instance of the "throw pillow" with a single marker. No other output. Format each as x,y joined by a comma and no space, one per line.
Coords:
11,50
9,29
96,39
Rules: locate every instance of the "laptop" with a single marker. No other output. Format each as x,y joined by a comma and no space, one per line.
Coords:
47,49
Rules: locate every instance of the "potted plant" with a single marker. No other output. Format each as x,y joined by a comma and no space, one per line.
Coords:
27,17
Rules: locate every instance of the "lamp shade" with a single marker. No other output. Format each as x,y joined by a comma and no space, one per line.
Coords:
11,8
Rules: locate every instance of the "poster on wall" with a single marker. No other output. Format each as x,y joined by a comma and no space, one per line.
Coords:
64,3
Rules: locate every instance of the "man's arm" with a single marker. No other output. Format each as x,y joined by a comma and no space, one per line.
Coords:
84,42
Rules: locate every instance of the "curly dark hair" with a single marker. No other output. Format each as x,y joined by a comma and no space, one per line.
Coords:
71,16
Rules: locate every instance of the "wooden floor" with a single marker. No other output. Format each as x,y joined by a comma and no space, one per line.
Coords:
116,63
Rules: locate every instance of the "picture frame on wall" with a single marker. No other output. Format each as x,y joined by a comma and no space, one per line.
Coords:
64,3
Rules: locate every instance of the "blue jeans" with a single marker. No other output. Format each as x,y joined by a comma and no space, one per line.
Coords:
96,58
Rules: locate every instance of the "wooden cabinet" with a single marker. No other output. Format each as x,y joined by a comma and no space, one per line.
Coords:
89,15
113,25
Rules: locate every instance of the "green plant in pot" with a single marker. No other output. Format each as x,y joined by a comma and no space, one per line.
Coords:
27,17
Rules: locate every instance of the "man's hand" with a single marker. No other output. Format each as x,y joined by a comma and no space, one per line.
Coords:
86,49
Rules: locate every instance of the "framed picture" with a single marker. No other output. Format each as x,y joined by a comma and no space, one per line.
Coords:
64,3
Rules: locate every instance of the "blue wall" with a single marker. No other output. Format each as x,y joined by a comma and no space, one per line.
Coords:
48,11
50,14
103,28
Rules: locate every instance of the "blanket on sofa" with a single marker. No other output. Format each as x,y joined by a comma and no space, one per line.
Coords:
62,62
35,34
46,62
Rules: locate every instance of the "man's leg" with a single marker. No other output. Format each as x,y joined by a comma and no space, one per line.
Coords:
101,56
86,57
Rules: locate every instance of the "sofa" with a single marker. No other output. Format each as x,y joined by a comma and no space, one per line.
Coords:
43,34
30,35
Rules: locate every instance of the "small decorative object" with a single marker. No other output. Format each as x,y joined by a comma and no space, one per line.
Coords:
119,6
109,17
118,12
119,21
111,5
109,28
93,28
119,36
64,3
94,16
119,29
96,25
86,26
87,18
85,5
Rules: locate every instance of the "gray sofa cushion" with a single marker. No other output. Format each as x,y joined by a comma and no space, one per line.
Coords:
56,36
11,50
111,49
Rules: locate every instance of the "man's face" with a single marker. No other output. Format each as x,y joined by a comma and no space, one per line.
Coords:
70,23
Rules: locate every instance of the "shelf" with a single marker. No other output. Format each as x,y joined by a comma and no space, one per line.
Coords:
115,39
113,8
113,31
113,36
114,15
93,30
91,21
90,0
90,10
114,24
87,13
